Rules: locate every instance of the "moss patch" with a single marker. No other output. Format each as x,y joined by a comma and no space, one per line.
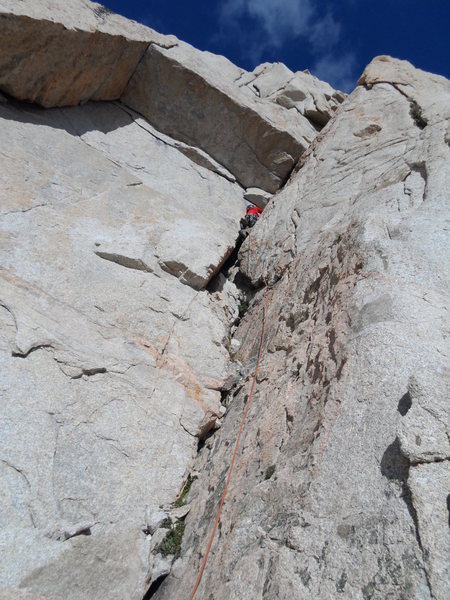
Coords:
269,472
187,486
171,544
167,523
243,308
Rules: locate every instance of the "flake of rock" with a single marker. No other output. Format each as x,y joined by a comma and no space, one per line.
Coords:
235,345
180,512
65,531
424,431
154,519
269,78
156,540
160,567
228,295
257,196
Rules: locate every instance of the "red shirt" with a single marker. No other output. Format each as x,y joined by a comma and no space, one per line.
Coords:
254,210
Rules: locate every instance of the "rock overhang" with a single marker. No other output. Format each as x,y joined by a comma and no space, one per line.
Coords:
85,52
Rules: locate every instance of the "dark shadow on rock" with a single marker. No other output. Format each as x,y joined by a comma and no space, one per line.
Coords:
395,467
404,404
154,587
448,508
76,120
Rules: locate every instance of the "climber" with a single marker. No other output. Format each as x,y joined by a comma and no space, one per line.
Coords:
251,216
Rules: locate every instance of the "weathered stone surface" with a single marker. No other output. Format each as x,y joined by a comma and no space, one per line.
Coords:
111,357
15,594
311,97
61,54
255,139
116,334
430,484
333,495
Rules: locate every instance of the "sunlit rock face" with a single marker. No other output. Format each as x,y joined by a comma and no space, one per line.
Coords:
222,110
128,159
341,489
60,54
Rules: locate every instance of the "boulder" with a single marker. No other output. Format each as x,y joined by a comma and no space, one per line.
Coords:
267,78
311,97
61,54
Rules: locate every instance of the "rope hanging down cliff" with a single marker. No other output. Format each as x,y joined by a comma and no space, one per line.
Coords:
233,460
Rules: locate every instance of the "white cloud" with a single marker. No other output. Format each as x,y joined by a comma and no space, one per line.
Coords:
325,33
277,22
338,71
281,19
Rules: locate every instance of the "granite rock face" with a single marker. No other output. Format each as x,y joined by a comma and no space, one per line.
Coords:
204,100
112,353
124,336
57,54
342,482
60,54
114,349
314,99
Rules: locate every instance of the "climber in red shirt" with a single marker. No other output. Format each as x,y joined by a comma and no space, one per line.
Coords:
251,216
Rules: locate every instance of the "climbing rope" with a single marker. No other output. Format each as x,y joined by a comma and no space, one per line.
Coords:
233,460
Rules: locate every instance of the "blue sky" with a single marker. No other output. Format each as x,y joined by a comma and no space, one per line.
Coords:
335,39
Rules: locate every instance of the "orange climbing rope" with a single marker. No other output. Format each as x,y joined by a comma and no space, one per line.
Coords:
233,460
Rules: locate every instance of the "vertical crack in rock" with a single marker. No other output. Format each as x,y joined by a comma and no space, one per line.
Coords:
156,584
448,509
337,305
395,467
